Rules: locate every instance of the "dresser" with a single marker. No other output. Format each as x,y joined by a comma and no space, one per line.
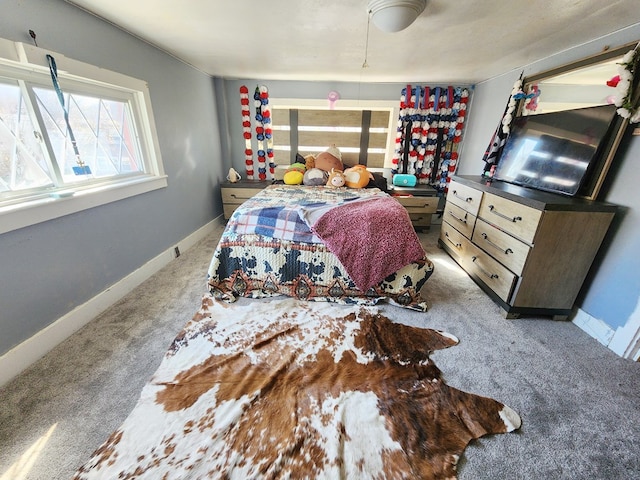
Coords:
529,250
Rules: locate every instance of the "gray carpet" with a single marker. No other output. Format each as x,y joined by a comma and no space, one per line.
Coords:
579,402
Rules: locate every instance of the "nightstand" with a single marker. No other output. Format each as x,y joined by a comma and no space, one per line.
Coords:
421,202
234,194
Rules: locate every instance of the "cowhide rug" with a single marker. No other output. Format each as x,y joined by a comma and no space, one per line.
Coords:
288,389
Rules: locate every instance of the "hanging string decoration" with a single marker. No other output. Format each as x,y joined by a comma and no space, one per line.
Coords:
264,133
499,139
246,131
626,84
429,131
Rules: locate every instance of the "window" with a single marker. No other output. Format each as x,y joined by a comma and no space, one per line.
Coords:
361,132
91,142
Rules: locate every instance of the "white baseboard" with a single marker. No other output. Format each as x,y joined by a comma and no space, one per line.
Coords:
26,353
594,327
623,341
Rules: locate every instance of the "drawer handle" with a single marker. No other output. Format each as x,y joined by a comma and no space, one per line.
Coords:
457,245
495,245
466,199
493,210
462,220
490,275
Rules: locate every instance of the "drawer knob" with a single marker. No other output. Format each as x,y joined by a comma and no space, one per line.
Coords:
493,210
466,199
495,245
490,275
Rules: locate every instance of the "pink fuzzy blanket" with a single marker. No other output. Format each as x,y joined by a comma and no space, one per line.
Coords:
372,238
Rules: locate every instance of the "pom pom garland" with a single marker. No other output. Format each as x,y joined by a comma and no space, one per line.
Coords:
436,115
246,128
264,132
626,83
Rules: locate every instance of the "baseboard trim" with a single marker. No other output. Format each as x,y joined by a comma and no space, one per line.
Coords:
594,327
28,352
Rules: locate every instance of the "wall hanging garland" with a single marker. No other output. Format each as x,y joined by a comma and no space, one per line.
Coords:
430,125
264,133
246,130
626,84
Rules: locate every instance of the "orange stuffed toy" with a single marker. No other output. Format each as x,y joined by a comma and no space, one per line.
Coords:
357,176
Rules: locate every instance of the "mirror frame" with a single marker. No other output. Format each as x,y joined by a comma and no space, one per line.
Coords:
598,172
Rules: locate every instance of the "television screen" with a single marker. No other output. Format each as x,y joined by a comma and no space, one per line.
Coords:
553,151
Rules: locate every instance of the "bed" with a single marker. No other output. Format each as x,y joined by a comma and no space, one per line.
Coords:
349,246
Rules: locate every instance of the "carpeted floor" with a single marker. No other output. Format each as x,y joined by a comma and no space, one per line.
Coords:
579,402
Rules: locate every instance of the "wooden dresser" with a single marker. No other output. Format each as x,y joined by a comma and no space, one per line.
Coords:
529,250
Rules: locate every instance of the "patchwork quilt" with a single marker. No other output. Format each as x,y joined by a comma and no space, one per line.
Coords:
302,390
270,247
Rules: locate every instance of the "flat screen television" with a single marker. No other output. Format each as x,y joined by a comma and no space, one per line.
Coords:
554,151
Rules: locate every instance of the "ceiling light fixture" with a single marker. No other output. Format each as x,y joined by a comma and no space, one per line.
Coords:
395,15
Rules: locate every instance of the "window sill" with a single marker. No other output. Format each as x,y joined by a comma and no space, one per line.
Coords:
24,214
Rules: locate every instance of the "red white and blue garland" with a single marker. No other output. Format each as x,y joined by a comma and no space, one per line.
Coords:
246,130
264,133
437,118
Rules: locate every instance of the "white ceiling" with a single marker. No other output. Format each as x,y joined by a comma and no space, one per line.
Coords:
464,41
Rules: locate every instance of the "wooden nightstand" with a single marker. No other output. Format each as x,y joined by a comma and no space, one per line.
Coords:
234,194
420,202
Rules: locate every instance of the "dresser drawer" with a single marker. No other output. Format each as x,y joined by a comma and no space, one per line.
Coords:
517,219
465,197
238,195
462,220
512,253
455,242
491,272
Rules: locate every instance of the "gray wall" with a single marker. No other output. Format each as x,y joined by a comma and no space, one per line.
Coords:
303,90
612,291
48,269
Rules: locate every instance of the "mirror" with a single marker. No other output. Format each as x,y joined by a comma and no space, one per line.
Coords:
578,85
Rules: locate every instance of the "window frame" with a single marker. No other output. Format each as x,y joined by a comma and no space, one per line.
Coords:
392,106
28,64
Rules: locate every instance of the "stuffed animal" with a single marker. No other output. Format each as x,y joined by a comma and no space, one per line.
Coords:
329,159
315,176
336,179
309,161
233,176
294,174
357,176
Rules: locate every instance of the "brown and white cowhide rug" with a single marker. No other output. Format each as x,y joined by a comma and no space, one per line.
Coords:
288,389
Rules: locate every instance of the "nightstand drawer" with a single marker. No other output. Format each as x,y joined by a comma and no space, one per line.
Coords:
419,204
512,253
467,198
462,220
238,195
517,219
